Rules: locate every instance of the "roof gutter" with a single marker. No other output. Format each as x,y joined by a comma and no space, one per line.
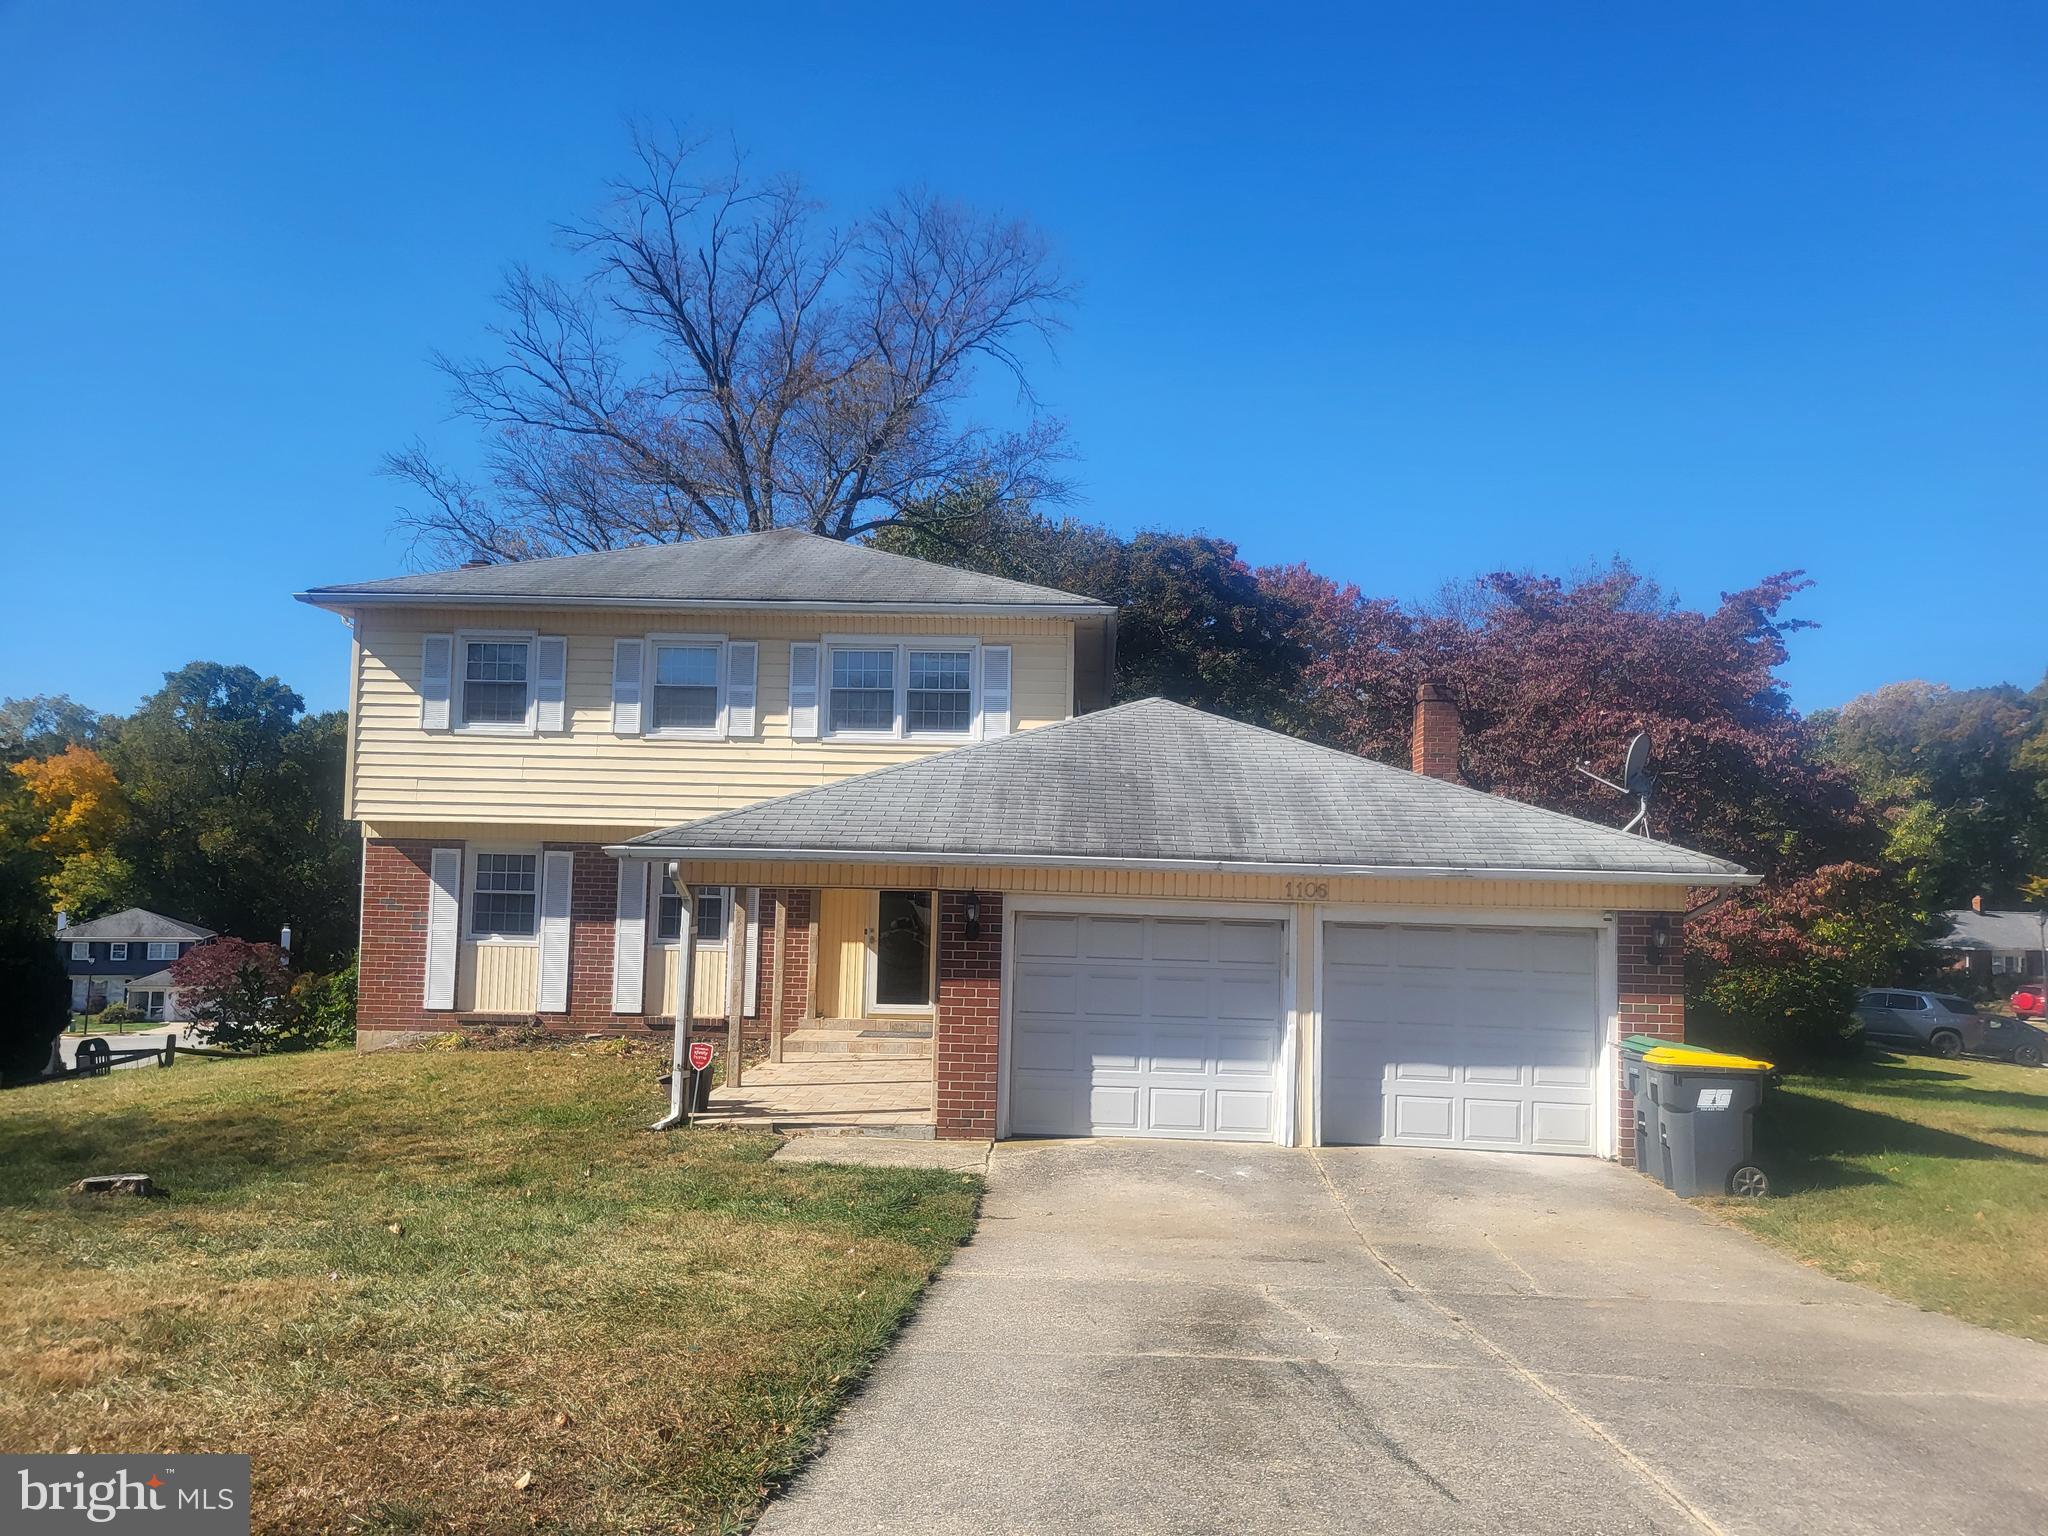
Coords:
343,602
699,854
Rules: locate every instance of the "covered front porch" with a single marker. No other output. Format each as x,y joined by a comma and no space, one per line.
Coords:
827,1025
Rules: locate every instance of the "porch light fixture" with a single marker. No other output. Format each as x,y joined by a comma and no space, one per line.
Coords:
973,914
1658,944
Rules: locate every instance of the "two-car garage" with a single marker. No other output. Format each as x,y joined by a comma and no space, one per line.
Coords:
1470,1035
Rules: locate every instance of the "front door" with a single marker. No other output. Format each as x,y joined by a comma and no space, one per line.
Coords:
900,967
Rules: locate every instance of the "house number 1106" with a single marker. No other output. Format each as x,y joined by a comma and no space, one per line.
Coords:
1308,890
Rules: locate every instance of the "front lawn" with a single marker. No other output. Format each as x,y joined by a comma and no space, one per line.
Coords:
1925,1179
446,1290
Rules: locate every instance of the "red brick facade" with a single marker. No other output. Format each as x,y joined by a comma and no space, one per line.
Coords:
969,1003
1652,996
391,986
392,989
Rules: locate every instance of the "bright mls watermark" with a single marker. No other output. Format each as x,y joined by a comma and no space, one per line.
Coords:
166,1495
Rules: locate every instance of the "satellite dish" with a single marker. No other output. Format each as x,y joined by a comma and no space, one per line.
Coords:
1636,779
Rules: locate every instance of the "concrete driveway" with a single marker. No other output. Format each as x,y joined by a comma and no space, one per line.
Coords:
1171,1337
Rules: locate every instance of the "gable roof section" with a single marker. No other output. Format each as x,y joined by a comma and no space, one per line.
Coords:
2000,931
134,924
1158,785
783,568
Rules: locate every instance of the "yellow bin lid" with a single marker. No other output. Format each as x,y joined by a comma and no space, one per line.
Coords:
1703,1061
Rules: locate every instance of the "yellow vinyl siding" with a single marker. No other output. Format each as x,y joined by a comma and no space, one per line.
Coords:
664,972
1538,895
590,777
842,975
497,978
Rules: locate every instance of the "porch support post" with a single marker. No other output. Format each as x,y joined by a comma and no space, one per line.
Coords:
735,983
775,981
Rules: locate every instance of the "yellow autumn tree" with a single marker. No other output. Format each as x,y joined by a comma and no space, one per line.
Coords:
79,812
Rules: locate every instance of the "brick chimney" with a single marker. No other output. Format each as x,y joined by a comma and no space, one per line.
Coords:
1433,744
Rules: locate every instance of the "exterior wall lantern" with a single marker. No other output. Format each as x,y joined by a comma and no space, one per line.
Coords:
974,914
1658,944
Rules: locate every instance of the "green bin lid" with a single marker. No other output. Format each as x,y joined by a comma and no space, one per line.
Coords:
1642,1045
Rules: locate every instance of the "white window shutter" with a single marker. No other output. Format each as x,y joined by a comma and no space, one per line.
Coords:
750,1005
444,925
995,691
742,666
803,690
629,937
556,867
437,668
551,684
626,668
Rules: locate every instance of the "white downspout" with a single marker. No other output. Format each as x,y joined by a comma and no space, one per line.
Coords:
679,1046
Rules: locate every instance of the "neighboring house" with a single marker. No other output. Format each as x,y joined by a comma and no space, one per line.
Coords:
880,782
1995,948
126,958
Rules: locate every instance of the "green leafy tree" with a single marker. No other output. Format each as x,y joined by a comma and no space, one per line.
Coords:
1960,777
45,724
236,809
1195,623
35,995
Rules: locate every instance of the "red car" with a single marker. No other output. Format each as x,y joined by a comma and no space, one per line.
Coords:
2031,1002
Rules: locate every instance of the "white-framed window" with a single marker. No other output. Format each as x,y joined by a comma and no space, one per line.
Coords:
81,949
938,692
710,917
504,896
163,951
902,689
494,678
117,951
685,685
861,697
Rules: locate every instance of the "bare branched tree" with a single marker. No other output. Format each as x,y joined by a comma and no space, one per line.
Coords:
728,364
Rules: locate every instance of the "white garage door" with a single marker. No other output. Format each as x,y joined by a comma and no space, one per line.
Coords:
1144,1026
1460,1037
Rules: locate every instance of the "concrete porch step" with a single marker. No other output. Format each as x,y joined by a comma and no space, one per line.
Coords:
818,1043
822,1125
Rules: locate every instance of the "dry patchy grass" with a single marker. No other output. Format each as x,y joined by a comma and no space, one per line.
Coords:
653,1326
1925,1179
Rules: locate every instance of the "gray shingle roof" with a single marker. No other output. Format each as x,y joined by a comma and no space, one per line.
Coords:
2004,932
1158,783
155,981
785,567
134,924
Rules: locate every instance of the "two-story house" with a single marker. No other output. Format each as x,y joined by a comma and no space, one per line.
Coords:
126,958
962,896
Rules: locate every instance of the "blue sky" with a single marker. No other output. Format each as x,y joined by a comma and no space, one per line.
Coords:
1407,292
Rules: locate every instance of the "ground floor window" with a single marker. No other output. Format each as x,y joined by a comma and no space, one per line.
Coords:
710,915
505,899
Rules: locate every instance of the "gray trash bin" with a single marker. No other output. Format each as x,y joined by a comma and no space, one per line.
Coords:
1704,1117
1633,1049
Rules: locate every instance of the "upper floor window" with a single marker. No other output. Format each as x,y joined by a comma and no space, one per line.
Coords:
863,691
495,679
504,898
940,697
901,689
81,950
117,951
163,951
685,688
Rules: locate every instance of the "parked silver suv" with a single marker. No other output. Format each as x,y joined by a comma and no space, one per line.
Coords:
1921,1021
